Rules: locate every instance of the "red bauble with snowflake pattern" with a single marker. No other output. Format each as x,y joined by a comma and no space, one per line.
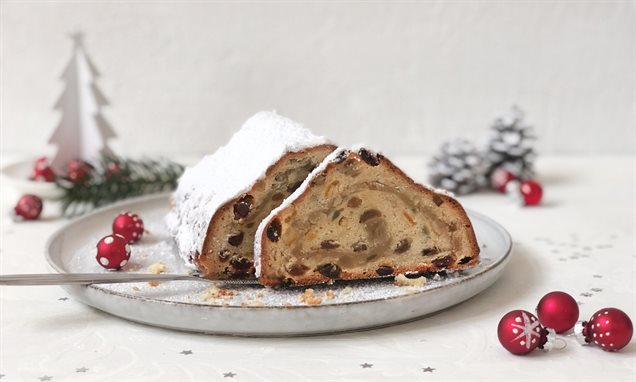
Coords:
558,310
520,332
78,171
128,225
42,171
29,207
611,329
113,252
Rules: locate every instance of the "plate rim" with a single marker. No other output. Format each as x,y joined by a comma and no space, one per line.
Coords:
151,197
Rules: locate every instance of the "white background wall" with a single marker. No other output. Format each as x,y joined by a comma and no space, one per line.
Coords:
182,76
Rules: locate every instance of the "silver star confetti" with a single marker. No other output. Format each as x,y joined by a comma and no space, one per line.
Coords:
428,369
81,370
45,378
366,365
229,375
186,352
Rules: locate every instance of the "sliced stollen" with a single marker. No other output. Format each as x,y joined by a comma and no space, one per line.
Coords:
220,202
358,216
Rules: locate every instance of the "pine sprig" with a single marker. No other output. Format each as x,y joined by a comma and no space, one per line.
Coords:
115,178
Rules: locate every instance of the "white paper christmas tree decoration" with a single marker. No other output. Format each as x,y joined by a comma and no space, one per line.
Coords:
83,131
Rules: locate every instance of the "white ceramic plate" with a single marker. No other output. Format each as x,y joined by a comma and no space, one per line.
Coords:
253,310
16,175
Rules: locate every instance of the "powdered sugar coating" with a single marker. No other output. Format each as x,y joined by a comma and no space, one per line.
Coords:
300,190
230,171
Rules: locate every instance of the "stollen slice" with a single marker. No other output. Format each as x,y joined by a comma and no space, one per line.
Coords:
358,216
220,202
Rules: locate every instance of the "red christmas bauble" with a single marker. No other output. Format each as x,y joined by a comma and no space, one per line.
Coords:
500,178
558,310
113,252
42,171
28,207
531,191
129,226
520,332
78,171
113,169
609,328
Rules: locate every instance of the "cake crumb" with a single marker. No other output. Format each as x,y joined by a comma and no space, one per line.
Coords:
330,294
226,293
157,268
214,292
309,298
346,291
154,283
402,280
136,289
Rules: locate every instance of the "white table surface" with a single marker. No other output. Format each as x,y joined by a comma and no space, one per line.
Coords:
580,240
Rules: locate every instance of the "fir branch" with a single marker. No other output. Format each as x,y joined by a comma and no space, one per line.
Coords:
115,178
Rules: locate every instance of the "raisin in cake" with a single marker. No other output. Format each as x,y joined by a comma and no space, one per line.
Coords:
220,202
358,216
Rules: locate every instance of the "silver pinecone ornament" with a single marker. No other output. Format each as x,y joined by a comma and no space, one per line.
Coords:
458,167
511,145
